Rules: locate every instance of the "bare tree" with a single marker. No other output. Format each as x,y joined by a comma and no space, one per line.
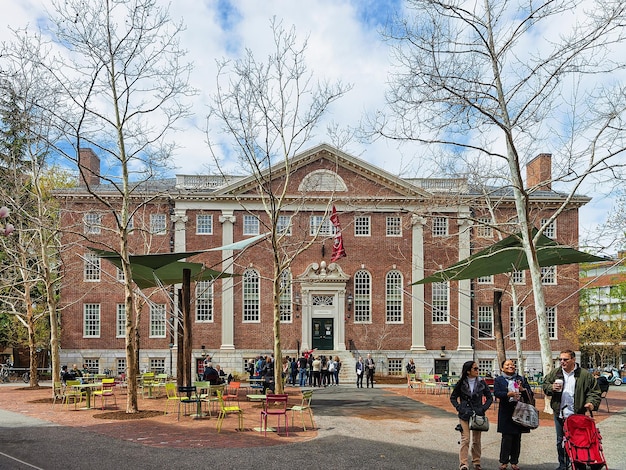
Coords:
29,176
269,111
124,81
471,79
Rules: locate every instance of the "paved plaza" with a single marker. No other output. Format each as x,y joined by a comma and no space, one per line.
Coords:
388,427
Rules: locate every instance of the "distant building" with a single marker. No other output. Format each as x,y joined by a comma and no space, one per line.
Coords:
603,297
396,231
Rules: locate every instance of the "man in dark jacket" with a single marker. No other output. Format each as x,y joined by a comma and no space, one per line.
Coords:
211,374
573,390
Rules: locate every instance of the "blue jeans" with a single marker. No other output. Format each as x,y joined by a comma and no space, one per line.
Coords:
302,378
558,426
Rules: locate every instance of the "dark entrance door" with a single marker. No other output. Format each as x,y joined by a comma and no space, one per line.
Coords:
323,333
441,367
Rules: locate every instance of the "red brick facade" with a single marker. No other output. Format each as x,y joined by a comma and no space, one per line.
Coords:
359,190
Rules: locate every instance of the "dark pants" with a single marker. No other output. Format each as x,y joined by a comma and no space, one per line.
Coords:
359,380
370,378
560,450
510,448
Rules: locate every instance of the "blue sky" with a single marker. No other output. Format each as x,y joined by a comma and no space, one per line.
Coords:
344,43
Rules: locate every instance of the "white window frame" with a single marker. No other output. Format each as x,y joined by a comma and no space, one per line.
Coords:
91,320
548,275
321,223
362,302
440,227
393,226
393,297
551,316
158,224
522,319
283,225
92,267
158,321
251,292
485,279
251,224
484,228
92,223
120,321
362,226
518,277
204,224
440,301
550,230
485,318
286,297
204,302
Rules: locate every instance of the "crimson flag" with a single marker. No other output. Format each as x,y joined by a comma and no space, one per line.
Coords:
338,249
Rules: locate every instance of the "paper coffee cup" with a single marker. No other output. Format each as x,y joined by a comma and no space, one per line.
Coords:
559,384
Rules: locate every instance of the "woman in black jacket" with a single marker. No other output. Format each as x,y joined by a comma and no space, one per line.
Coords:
509,388
470,395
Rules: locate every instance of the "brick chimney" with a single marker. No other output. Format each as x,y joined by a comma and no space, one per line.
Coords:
539,172
89,164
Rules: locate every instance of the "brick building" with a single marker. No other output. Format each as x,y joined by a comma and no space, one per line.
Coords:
395,231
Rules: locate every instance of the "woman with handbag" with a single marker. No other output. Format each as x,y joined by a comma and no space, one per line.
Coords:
471,398
509,388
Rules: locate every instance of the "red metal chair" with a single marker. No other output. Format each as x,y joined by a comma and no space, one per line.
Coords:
275,405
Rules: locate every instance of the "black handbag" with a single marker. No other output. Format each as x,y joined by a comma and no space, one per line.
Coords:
478,423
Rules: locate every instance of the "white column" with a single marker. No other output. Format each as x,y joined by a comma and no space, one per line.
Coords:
227,220
465,300
417,292
180,236
340,328
306,318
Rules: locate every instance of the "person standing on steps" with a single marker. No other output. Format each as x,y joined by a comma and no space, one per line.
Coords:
370,367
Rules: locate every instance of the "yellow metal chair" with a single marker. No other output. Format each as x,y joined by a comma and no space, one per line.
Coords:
73,394
106,391
226,410
171,394
307,396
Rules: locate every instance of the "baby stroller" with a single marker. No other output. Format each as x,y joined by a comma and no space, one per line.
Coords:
583,443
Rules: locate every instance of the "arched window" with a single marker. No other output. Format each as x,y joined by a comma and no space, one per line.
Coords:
393,297
251,296
362,297
285,297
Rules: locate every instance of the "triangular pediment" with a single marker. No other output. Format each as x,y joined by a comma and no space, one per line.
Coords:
320,272
327,170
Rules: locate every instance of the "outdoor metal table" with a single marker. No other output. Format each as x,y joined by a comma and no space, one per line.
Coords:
88,388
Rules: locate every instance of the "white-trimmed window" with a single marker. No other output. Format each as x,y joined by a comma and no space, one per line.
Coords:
158,224
362,297
362,226
130,226
551,317
440,302
550,230
157,365
483,228
91,320
321,223
120,321
518,277
158,326
204,301
250,224
485,321
204,224
92,364
120,365
548,275
521,314
286,300
485,366
283,225
440,226
91,267
485,279
92,223
393,226
393,297
394,366
251,296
